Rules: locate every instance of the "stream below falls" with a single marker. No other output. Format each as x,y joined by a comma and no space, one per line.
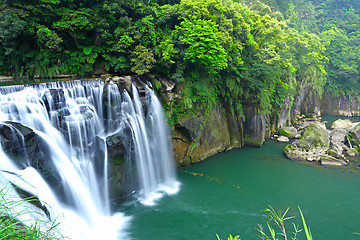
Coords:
227,193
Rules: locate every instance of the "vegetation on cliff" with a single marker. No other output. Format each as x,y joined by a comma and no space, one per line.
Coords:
219,51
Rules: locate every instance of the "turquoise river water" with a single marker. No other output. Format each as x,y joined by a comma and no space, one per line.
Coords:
227,193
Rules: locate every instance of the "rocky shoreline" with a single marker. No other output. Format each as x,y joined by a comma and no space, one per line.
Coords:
314,142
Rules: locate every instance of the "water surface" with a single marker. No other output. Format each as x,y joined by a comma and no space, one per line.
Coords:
227,193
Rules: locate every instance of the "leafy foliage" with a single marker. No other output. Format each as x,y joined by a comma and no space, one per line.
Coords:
220,52
142,60
11,27
48,38
279,220
203,44
277,226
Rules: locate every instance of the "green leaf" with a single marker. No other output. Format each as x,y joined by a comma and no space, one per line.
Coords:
307,230
91,58
122,59
51,1
87,50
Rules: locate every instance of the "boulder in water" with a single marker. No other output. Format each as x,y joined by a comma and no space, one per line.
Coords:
337,140
355,134
294,152
282,139
314,136
343,123
327,160
333,153
352,152
18,141
289,132
313,143
32,199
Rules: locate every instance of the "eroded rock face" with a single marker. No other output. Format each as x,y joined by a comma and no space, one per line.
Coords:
310,104
254,125
196,138
120,182
306,102
284,116
124,82
340,105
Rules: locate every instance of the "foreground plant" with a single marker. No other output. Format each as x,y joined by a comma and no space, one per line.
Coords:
279,220
230,237
307,230
276,227
12,228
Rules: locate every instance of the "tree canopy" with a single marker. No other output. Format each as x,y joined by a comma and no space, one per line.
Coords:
220,51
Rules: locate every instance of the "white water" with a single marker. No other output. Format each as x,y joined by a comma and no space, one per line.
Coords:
154,158
73,127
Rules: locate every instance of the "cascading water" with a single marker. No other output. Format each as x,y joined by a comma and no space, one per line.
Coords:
58,131
154,160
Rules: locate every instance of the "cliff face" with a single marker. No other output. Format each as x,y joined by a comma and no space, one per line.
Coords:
340,105
254,124
309,103
216,129
213,129
198,137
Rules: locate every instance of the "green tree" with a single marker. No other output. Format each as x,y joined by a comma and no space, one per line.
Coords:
48,38
142,60
11,27
203,45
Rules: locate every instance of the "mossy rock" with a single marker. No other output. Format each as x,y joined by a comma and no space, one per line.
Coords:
333,153
314,136
289,132
288,150
292,152
354,135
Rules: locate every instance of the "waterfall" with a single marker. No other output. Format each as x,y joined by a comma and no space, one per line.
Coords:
154,160
53,146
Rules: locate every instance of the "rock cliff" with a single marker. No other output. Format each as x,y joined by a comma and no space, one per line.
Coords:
214,129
